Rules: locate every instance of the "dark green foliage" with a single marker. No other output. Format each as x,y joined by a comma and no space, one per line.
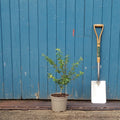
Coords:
66,75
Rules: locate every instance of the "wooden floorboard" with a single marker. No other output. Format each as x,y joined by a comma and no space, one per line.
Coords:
46,105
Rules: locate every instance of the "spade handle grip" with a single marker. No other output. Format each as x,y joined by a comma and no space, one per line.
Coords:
98,39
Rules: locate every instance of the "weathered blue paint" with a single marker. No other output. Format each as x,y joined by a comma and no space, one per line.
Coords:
105,43
114,50
88,30
118,74
1,60
29,28
33,34
43,38
14,6
7,49
79,35
25,48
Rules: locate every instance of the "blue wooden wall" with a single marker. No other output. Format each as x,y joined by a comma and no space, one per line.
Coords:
29,28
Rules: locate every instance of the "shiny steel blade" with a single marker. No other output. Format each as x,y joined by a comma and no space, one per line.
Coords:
98,71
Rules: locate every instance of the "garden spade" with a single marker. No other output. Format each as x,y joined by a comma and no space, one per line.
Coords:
98,87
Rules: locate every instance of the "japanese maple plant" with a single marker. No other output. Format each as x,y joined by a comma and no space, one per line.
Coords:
65,74
61,67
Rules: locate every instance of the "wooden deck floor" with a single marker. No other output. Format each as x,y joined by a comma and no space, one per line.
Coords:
46,105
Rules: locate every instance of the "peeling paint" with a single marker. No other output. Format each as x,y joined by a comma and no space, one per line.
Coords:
76,94
37,95
38,90
49,96
2,84
4,64
71,95
21,67
20,81
25,73
85,67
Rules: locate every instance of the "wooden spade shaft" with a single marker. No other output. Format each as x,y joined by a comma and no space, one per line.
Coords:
98,45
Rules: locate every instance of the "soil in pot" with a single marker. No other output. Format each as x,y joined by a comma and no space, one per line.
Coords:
59,95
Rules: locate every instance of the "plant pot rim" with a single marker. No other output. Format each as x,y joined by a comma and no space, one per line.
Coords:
59,95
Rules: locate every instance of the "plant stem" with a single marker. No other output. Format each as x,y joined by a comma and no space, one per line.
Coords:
60,91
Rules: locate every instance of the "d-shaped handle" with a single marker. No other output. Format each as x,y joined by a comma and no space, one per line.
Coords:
98,26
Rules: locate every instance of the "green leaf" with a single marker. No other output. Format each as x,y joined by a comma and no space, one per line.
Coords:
43,54
81,59
58,49
81,73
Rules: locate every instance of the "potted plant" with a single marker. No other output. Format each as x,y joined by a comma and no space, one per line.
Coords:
59,100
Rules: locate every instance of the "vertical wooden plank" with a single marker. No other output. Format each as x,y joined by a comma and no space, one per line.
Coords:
88,49
42,18
114,49
97,19
1,60
33,21
79,33
70,25
24,32
6,36
60,29
15,48
118,75
51,41
105,43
